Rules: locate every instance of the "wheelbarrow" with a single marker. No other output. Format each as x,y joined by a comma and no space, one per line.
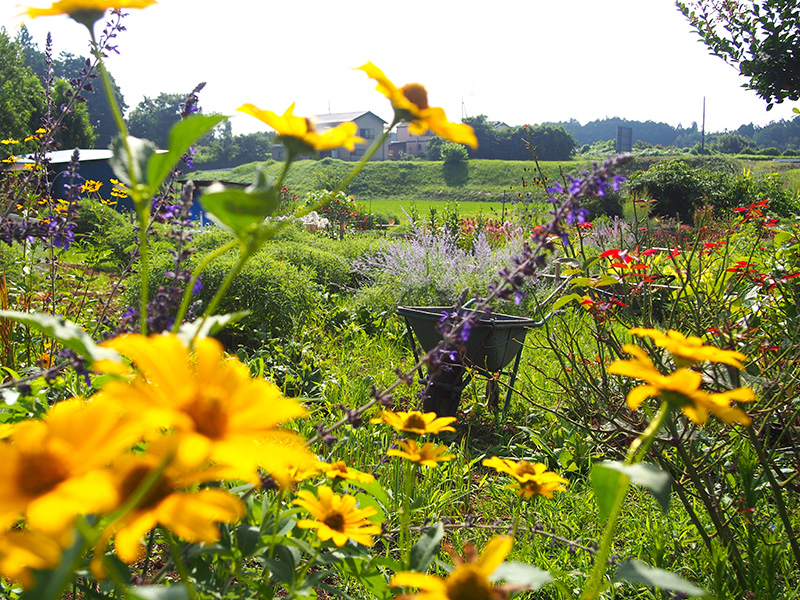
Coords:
494,342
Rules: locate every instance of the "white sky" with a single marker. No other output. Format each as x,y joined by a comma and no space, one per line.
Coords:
518,61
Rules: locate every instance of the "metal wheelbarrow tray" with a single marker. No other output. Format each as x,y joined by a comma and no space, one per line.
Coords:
495,340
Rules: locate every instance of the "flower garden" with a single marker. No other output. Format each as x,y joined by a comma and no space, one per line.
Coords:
234,411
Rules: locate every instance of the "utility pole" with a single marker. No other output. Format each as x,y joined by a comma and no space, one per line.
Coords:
703,134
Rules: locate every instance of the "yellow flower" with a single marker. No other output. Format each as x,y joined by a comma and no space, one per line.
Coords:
90,186
338,519
339,470
299,134
532,478
85,12
9,142
410,103
290,473
23,550
681,389
211,398
688,351
54,469
415,422
427,454
468,580
172,500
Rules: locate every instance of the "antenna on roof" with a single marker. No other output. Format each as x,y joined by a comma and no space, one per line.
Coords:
463,110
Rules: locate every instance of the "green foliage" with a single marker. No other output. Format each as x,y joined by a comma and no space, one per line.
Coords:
760,40
21,97
221,149
325,267
152,118
105,227
279,295
76,130
732,143
678,189
499,141
453,154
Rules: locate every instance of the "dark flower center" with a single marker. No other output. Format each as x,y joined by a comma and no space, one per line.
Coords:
415,422
39,473
466,583
209,415
157,492
417,94
335,521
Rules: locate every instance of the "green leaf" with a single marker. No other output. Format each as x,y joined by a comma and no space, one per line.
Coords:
426,548
639,572
241,210
123,163
182,135
50,584
517,573
157,592
66,332
565,300
607,477
375,489
200,328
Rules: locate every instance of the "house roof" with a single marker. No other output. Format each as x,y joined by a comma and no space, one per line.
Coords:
336,118
60,157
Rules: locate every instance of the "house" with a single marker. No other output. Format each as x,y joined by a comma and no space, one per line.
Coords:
370,127
407,144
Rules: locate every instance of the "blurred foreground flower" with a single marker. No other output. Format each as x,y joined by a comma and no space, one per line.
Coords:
222,412
533,479
468,581
410,103
85,12
338,519
170,473
298,133
55,468
681,389
426,455
415,422
688,351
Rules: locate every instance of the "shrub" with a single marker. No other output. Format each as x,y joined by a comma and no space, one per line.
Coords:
453,154
325,268
678,189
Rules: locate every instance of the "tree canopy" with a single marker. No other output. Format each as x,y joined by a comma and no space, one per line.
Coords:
154,117
761,38
499,141
21,95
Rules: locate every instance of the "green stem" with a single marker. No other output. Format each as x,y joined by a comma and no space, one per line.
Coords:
365,159
244,256
179,564
187,294
405,517
279,503
304,570
144,270
635,454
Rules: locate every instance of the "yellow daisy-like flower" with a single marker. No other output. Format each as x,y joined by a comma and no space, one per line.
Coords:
338,519
24,550
410,103
415,422
339,470
681,389
54,469
533,479
427,455
90,186
288,474
299,134
468,581
85,12
172,500
688,351
212,398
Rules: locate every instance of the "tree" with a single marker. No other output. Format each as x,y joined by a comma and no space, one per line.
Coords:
761,38
76,131
733,143
71,68
21,95
154,117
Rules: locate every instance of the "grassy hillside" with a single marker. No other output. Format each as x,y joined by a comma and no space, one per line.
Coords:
476,180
